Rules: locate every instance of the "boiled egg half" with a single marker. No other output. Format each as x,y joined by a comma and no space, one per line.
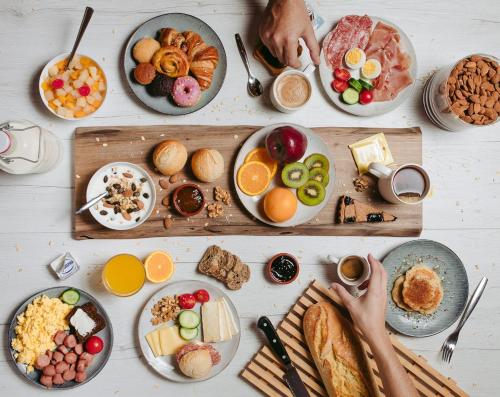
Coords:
371,69
355,58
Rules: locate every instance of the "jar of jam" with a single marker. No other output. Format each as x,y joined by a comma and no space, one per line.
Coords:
188,199
283,268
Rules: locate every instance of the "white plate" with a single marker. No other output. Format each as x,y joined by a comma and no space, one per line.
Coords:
97,186
253,203
374,108
166,365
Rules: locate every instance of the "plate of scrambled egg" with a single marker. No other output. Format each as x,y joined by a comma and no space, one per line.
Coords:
38,320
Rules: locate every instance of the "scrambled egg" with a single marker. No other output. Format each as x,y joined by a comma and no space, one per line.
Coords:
36,327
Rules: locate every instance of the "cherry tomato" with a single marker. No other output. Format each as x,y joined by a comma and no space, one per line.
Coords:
94,345
84,90
202,295
341,74
365,97
340,86
57,83
187,301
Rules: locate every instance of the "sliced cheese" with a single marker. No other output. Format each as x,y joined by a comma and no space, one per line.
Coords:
233,328
153,339
170,340
225,333
210,322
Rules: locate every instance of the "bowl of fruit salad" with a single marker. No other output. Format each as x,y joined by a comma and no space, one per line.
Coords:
75,93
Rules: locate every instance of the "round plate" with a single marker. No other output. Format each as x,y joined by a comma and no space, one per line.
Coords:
454,280
374,108
106,335
166,365
253,203
181,22
97,186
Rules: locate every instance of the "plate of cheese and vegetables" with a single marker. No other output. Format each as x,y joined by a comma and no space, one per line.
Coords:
189,331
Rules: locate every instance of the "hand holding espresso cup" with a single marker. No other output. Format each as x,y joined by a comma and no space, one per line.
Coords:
352,270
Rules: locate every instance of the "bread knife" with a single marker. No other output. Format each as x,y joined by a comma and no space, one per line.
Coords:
291,376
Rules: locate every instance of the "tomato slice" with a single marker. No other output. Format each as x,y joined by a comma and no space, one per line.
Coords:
365,97
341,74
340,85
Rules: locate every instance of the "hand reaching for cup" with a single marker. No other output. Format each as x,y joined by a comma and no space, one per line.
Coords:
283,23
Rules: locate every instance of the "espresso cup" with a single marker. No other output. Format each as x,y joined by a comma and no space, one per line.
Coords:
388,188
292,89
345,272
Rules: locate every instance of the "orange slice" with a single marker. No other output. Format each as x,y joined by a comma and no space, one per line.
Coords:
260,154
159,266
253,178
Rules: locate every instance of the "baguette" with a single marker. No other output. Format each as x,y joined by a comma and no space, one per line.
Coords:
336,352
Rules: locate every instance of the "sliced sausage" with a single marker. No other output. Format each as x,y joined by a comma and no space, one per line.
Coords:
72,367
70,341
61,367
70,358
57,356
69,375
49,370
59,337
82,364
46,380
63,349
57,379
49,354
42,361
78,349
80,376
87,357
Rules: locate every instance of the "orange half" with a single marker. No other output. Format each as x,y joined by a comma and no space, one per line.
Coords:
253,178
261,155
159,267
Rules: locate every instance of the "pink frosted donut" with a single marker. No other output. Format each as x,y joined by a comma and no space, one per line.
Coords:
186,91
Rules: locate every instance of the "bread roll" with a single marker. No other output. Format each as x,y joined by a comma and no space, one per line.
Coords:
336,352
196,364
169,157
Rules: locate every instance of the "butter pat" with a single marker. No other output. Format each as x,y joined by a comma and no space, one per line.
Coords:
82,322
64,266
373,149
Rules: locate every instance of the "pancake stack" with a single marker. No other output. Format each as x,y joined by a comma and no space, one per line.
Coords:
419,290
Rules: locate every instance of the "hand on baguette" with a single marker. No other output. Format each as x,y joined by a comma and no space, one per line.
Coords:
283,23
368,311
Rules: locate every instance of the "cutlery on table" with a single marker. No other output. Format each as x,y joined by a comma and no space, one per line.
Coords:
291,376
83,26
95,200
254,86
451,342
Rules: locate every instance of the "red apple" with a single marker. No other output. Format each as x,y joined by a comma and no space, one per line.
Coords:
286,144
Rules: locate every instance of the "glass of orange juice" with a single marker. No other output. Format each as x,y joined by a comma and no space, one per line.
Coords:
123,275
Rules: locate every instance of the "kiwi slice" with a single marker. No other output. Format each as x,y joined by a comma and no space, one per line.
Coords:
317,160
320,175
294,175
311,193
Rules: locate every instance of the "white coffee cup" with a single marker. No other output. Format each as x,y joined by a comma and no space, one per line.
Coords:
386,185
274,95
350,281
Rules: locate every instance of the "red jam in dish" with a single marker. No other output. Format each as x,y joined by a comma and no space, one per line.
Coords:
189,199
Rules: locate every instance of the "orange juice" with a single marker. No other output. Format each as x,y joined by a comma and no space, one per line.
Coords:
123,275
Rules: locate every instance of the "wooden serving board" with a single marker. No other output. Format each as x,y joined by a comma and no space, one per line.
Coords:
266,373
97,146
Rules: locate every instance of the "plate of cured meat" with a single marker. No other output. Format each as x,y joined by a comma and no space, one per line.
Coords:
368,65
175,63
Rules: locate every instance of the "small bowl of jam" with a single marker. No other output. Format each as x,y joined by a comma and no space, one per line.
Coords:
188,199
283,268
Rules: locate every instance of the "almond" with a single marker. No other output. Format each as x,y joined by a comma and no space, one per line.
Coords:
128,193
140,204
164,183
127,175
174,178
167,223
166,201
126,215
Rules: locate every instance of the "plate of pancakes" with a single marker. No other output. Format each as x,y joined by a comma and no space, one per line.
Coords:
427,288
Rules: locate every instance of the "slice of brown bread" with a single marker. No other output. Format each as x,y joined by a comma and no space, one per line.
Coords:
353,211
91,310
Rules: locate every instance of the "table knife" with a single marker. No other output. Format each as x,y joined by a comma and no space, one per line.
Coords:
291,376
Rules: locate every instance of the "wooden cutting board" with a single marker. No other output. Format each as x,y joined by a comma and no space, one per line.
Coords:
266,373
97,146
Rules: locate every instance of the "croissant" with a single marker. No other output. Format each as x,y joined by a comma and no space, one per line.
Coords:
171,61
170,36
203,64
193,43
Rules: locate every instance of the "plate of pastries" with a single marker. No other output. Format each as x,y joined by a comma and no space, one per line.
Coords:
175,63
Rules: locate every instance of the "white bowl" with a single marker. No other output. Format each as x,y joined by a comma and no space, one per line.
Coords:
45,74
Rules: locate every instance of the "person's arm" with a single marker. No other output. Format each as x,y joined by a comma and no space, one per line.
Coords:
368,314
283,23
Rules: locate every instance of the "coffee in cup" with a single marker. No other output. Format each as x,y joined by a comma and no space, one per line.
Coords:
291,90
352,270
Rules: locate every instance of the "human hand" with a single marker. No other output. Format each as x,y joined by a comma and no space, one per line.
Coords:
368,311
284,22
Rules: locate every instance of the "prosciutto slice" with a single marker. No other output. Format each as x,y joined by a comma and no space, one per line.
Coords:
395,76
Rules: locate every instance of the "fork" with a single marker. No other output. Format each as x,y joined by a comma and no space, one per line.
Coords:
451,342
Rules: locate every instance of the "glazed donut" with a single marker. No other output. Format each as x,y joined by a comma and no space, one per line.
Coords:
186,91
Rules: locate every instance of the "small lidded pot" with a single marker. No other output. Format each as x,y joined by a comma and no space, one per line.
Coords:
283,268
188,199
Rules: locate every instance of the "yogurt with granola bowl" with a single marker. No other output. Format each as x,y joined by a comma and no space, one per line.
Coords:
131,195
75,92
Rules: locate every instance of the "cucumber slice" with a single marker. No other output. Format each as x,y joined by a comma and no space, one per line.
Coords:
188,333
367,85
355,84
70,296
350,96
189,319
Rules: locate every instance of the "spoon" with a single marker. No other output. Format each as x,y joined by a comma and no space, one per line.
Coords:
83,26
91,203
254,86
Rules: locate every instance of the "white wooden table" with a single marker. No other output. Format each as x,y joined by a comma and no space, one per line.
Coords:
35,221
